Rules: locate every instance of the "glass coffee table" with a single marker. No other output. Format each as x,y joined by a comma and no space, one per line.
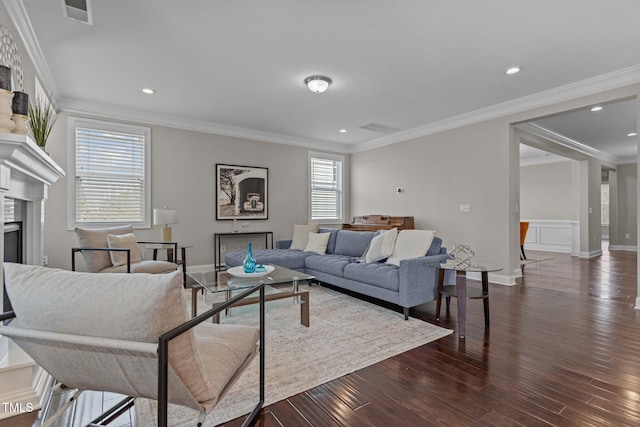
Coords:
282,279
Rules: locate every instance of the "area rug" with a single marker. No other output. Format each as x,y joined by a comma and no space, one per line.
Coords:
345,335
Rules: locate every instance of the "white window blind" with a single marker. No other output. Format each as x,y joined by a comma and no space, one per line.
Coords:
110,175
327,201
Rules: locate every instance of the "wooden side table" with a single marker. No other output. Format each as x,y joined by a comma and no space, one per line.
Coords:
461,292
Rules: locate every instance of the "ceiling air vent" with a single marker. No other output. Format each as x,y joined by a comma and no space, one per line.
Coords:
377,127
78,10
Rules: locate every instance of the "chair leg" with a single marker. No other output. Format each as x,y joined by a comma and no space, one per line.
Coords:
62,409
522,250
406,312
118,409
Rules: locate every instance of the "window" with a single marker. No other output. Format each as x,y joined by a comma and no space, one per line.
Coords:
326,187
110,164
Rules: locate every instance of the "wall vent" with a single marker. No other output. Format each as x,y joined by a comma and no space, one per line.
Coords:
377,127
78,10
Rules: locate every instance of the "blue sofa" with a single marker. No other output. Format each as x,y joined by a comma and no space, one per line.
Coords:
413,283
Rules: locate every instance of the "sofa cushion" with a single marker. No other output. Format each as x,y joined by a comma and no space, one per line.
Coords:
301,235
97,238
333,233
317,243
436,245
329,263
286,258
381,246
353,243
411,244
123,241
379,274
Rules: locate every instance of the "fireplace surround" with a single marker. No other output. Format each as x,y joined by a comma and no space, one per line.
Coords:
26,172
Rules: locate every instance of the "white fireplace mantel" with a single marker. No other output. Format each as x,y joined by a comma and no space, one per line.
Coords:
26,172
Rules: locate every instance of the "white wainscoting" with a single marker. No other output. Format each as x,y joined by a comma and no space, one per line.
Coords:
553,236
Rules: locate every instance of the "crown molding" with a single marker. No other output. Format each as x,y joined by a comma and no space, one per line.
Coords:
562,140
20,19
586,87
544,160
74,106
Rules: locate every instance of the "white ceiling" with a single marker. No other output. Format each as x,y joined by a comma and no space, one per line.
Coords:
237,67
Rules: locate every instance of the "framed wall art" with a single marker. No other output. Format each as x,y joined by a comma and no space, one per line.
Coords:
242,192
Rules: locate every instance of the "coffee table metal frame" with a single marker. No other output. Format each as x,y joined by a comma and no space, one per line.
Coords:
224,282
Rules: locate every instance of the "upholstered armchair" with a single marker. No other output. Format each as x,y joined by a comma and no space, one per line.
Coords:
115,250
129,334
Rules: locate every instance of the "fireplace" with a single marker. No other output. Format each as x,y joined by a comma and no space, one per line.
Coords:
12,252
26,172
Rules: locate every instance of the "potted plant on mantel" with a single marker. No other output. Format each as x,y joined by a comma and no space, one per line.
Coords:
41,119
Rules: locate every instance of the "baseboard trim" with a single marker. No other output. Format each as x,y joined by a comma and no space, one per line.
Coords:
623,248
591,254
497,279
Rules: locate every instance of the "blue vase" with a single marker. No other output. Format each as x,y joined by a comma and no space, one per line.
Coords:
249,263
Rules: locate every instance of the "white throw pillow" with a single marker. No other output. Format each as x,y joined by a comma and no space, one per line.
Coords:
382,246
317,243
301,235
126,241
411,244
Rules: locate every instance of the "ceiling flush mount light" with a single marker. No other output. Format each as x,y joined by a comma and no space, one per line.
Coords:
317,84
513,70
148,91
596,108
632,134
343,130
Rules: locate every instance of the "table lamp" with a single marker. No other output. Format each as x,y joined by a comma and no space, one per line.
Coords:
164,217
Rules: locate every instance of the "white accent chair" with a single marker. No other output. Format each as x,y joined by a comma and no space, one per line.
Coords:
129,334
115,250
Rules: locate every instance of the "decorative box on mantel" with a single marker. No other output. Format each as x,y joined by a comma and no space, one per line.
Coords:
26,172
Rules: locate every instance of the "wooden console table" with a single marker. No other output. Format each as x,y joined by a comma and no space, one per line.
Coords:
217,237
379,222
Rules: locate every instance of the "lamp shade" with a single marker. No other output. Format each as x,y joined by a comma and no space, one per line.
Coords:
165,216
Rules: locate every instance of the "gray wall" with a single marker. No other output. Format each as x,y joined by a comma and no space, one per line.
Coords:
627,181
183,177
546,191
439,172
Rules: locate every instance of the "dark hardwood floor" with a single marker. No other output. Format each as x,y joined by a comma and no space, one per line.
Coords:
563,350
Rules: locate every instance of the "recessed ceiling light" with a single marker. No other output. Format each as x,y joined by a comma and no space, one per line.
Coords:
148,91
596,108
343,130
632,134
513,70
